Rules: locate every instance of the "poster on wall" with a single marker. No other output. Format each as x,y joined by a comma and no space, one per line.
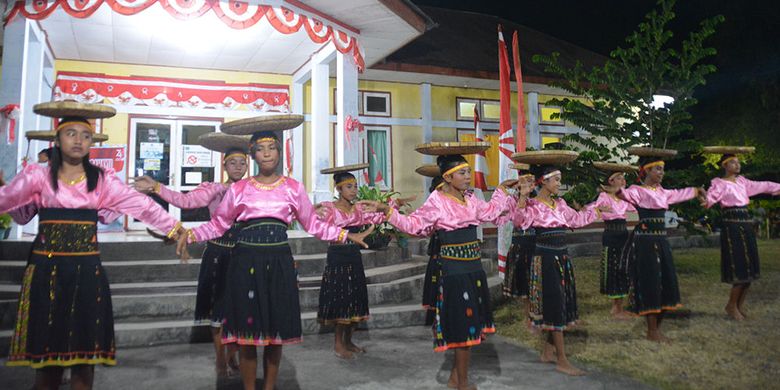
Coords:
195,156
111,158
152,150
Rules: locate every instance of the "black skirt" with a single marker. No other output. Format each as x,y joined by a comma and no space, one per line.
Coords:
431,280
65,316
261,305
213,277
739,262
343,292
518,261
211,284
463,316
553,288
612,276
648,256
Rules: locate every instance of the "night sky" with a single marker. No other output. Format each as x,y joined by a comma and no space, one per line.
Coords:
747,41
743,95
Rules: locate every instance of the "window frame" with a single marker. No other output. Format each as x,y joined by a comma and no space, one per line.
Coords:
388,179
559,122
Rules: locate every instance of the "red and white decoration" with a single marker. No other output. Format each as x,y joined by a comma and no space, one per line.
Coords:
8,117
162,92
506,140
352,125
480,160
239,15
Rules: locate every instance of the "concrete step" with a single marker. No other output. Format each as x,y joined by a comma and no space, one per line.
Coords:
146,301
127,271
413,266
150,249
133,333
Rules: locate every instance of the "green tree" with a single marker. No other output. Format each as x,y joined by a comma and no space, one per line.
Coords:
614,104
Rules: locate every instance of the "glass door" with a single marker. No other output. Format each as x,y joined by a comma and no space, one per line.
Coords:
168,152
195,165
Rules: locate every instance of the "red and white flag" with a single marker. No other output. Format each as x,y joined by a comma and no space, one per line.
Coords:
480,161
506,140
379,180
521,120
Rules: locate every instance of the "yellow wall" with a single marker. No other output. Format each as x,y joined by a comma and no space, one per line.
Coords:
405,104
117,127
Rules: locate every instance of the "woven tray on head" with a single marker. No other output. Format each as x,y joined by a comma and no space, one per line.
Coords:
521,166
728,149
66,109
220,142
614,167
643,151
345,168
41,135
545,157
447,148
428,170
273,122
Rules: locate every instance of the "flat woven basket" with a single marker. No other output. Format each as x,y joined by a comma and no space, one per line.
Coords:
643,151
274,122
220,142
546,157
345,168
447,148
428,170
728,149
615,167
65,109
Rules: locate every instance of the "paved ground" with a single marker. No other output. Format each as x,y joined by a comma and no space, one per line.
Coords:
397,359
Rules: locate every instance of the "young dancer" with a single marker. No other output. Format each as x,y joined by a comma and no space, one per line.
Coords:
433,269
613,278
521,251
463,313
738,249
343,292
552,291
261,306
654,288
65,316
214,264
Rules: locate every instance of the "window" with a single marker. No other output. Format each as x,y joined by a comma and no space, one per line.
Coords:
380,157
489,110
546,115
374,103
370,103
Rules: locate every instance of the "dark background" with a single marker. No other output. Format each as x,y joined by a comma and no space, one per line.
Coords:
740,102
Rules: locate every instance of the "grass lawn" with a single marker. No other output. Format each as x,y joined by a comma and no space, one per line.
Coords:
708,351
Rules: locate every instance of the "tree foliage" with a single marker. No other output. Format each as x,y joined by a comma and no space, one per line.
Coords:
613,100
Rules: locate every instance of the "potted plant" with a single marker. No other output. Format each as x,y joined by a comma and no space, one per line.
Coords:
5,226
383,232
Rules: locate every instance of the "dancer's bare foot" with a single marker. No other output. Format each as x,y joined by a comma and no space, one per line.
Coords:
468,386
548,354
452,383
734,313
659,338
568,369
342,352
354,348
622,316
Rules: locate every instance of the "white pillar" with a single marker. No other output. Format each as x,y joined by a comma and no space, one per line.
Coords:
347,152
297,133
11,89
320,127
534,137
427,126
